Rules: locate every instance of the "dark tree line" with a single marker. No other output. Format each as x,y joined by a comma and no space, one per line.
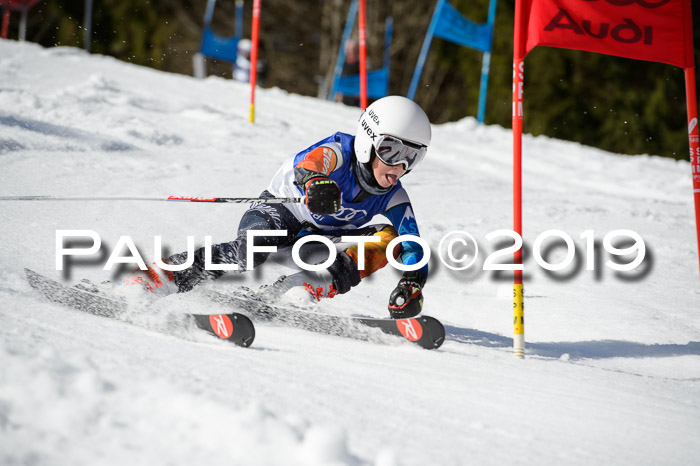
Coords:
616,104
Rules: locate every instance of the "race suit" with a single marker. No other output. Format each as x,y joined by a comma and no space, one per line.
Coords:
334,158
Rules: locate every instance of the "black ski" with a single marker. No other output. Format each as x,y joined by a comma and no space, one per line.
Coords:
233,327
424,331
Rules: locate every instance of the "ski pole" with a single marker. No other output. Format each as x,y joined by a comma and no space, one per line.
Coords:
237,200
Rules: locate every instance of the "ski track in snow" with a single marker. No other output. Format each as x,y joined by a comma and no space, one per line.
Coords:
613,366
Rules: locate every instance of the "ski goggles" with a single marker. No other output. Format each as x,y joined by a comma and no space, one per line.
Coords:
393,151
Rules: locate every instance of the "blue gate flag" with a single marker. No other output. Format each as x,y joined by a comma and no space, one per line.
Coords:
377,84
454,27
449,24
221,48
378,80
349,24
214,46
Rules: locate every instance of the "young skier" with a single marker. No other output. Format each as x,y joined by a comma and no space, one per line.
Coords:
345,181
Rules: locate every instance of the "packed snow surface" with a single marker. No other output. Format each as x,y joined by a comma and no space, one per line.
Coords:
612,373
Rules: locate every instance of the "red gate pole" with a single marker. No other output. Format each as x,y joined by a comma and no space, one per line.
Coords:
363,57
254,57
5,22
694,143
518,82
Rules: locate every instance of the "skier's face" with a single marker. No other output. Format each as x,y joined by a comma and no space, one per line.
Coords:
387,175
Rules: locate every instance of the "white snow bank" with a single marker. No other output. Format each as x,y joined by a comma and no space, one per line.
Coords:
58,408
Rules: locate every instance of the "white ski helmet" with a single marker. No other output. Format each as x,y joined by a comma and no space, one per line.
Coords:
244,47
393,116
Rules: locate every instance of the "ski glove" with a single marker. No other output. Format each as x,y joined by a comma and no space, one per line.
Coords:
406,300
344,273
322,196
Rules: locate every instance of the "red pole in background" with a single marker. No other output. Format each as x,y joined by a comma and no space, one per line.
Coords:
518,82
5,22
363,57
254,57
694,143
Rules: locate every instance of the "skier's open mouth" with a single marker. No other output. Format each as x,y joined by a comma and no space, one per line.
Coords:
392,179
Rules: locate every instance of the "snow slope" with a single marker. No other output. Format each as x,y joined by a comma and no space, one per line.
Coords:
612,372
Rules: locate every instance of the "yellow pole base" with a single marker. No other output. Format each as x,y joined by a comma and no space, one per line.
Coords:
519,321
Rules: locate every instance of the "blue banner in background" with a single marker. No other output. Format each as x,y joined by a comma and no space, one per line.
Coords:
377,84
449,24
377,80
218,47
221,48
452,26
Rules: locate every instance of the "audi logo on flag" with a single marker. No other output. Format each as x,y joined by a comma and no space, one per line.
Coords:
653,30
